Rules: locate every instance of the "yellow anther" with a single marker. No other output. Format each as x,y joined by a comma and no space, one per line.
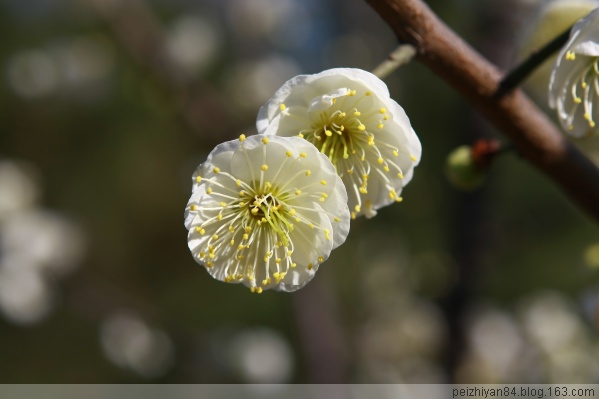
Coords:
255,211
321,199
400,175
380,126
323,182
320,259
327,234
301,136
298,192
242,193
386,117
386,168
357,113
291,226
288,153
363,190
308,173
337,219
264,167
370,140
268,185
246,236
223,204
380,161
240,247
361,127
392,194
258,290
215,237
334,100
289,253
209,190
216,169
282,107
276,275
241,137
310,266
211,255
382,110
248,229
193,207
328,133
200,230
357,208
209,264
342,128
353,93
238,182
368,93
293,265
278,260
303,155
350,171
198,179
231,229
570,55
395,153
202,254
232,242
311,225
577,100
413,157
265,140
584,84
398,199
219,216
591,124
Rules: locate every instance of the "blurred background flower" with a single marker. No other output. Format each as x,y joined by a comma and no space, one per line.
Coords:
108,107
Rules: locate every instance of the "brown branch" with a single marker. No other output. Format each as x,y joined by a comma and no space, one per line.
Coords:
535,137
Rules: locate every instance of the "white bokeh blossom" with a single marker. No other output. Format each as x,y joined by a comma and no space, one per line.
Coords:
350,117
574,83
266,212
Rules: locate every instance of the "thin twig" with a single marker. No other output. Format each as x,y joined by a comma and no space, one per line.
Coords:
398,57
517,75
534,136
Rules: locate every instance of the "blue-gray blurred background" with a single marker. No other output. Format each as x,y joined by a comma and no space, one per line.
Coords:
107,107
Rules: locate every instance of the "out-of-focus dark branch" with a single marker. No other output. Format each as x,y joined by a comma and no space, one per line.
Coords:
137,30
533,135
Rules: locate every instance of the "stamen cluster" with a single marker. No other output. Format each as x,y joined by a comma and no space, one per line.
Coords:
574,84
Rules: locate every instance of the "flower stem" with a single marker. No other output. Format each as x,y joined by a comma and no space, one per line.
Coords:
517,75
398,57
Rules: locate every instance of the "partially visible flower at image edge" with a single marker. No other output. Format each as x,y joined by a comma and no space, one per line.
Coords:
350,117
574,85
266,212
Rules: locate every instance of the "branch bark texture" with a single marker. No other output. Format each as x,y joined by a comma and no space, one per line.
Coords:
532,133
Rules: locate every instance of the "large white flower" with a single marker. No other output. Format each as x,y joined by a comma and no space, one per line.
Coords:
266,211
350,117
574,85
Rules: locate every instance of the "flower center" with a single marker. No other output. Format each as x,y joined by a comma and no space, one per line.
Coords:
344,133
584,90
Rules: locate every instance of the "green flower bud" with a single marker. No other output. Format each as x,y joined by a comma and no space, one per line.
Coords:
462,170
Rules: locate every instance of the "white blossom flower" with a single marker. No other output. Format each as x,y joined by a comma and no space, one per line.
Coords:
266,211
574,84
350,117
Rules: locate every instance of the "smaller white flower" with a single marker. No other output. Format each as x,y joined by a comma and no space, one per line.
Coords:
574,84
266,211
350,117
